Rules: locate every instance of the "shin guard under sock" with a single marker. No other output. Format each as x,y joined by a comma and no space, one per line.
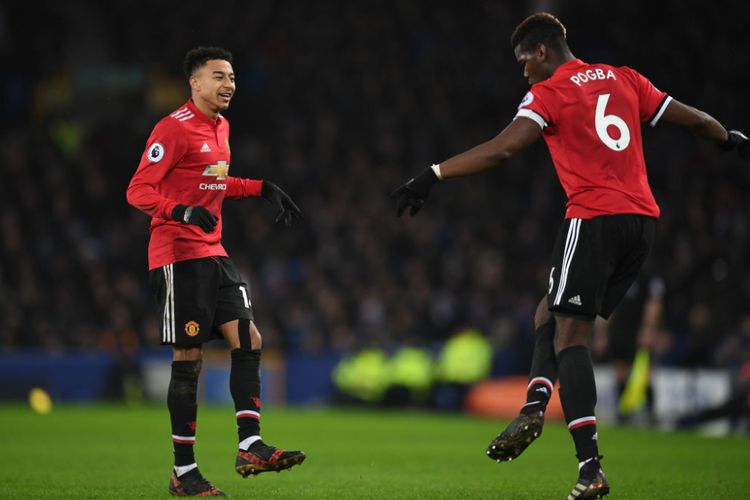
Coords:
183,409
578,397
543,373
244,384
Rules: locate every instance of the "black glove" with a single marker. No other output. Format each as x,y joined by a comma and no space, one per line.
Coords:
197,216
415,192
736,140
288,210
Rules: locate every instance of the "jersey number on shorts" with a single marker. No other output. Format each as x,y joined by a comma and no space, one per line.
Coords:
244,297
603,122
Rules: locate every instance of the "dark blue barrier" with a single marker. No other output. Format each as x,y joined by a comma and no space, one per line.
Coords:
508,362
308,377
215,385
74,377
80,377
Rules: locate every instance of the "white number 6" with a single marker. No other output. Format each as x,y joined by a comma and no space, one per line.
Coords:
603,121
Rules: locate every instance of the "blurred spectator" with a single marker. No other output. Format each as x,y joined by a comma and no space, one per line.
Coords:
736,407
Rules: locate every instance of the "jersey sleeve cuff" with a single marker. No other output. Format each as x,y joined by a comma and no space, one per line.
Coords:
660,110
254,188
532,115
436,168
167,209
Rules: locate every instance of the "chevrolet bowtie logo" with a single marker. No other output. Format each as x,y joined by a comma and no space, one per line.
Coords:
220,170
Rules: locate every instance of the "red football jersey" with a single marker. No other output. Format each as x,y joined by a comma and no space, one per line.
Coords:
186,162
591,116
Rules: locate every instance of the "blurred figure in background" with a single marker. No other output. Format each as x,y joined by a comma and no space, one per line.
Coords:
736,407
465,360
630,348
362,377
733,352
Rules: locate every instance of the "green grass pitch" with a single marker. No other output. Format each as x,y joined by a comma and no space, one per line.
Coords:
121,452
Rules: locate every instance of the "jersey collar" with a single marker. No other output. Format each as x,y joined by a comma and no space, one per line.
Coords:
571,65
202,116
564,68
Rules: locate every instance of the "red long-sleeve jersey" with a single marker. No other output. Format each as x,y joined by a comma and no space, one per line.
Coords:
186,162
591,115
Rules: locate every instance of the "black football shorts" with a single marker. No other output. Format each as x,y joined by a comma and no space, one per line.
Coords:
595,261
196,296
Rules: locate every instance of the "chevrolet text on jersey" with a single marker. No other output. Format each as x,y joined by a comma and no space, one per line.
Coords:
212,187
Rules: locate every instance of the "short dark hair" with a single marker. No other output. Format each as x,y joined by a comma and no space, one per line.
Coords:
541,27
197,57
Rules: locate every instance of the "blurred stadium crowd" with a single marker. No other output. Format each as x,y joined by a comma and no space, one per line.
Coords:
338,102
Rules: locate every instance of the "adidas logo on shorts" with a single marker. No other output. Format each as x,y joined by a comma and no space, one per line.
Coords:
576,301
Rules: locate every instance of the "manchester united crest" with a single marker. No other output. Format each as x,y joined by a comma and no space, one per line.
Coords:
192,328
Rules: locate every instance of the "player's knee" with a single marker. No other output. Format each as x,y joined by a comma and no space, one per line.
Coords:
249,336
255,338
187,353
571,332
542,316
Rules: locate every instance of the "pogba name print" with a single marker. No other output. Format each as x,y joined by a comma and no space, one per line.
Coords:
592,74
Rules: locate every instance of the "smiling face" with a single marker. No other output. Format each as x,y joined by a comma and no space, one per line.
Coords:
213,86
536,64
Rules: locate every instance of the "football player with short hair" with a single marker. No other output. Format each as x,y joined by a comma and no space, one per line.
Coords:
590,117
181,182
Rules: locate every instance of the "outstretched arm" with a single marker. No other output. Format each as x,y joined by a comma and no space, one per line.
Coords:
239,188
701,123
704,125
518,135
